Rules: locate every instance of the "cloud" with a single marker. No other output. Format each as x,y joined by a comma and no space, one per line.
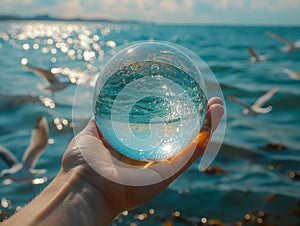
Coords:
270,5
27,2
274,5
169,5
149,10
161,11
15,2
224,4
68,8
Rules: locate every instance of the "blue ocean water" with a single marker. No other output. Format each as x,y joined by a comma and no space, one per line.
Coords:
149,110
248,179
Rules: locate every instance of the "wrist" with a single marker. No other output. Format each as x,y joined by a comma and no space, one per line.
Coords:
78,199
89,200
68,200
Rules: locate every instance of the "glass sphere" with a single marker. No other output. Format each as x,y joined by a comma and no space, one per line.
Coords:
150,101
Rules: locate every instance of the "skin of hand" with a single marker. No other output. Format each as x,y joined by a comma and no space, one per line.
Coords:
80,195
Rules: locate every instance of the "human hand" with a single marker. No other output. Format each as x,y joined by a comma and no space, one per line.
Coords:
94,186
125,183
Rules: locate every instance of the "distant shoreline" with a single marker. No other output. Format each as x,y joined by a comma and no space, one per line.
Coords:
50,18
104,20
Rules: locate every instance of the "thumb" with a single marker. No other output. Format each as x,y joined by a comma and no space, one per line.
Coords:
91,129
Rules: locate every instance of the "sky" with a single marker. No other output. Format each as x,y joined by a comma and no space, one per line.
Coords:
254,12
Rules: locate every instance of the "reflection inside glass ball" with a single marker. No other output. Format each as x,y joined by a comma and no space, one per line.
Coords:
149,108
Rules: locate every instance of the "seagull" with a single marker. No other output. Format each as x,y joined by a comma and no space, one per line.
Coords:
255,56
256,108
54,83
24,171
14,101
293,75
75,76
290,46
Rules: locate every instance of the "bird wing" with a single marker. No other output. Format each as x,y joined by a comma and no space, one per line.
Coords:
297,44
44,74
8,157
280,38
253,53
295,76
56,86
262,110
264,98
38,142
292,74
238,101
75,76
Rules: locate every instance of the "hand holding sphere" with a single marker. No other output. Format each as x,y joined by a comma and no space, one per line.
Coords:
174,110
150,101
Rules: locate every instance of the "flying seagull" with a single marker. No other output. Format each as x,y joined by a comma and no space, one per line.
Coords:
51,78
255,57
24,171
256,108
290,46
14,101
74,75
293,75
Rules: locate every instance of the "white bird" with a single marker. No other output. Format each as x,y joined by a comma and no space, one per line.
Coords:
255,57
256,108
293,75
24,171
13,101
290,46
47,75
75,76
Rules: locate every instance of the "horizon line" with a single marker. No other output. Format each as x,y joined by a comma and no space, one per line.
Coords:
47,17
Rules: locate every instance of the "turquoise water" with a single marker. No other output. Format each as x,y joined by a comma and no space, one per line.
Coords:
149,110
251,179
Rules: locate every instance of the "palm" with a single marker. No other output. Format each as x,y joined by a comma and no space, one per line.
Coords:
127,183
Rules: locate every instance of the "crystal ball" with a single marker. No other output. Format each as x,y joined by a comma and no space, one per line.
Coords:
150,100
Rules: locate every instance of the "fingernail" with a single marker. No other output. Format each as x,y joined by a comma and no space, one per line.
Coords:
216,112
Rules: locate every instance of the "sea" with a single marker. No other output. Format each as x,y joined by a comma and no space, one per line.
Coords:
254,178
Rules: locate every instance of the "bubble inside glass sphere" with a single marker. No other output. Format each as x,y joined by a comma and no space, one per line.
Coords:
149,100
